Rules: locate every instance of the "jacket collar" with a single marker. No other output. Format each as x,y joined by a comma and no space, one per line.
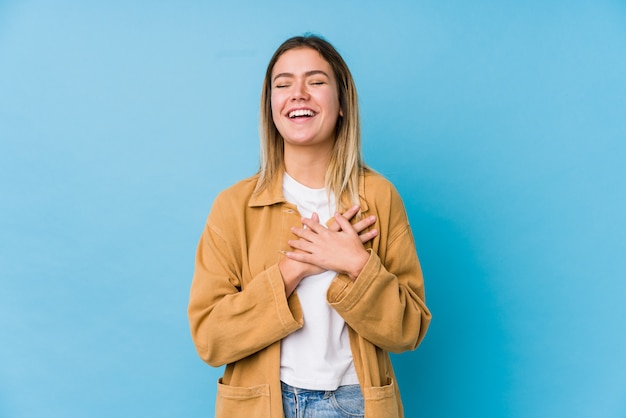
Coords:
274,193
270,195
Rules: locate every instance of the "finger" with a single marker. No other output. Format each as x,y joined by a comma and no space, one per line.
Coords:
364,223
313,225
344,224
304,233
367,236
348,214
314,217
334,227
302,245
299,256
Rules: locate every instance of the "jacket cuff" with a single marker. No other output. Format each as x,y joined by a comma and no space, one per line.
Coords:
289,310
343,293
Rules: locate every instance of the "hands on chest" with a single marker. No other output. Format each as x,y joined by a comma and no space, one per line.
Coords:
317,248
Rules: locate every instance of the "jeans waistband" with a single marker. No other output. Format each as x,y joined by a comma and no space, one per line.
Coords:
291,389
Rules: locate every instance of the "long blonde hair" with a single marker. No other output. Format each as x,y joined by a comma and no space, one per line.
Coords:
346,163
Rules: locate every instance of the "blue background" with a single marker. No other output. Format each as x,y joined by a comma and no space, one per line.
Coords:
503,125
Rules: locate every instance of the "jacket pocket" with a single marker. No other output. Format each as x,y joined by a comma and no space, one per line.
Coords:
250,402
381,401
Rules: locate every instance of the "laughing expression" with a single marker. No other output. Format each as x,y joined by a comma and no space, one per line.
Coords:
305,101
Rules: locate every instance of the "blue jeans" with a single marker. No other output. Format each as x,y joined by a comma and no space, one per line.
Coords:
345,402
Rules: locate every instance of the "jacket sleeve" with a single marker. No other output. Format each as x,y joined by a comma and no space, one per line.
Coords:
386,303
229,321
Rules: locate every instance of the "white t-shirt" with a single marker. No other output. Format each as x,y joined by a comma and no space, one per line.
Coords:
318,355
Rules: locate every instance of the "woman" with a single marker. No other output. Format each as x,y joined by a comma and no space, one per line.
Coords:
306,273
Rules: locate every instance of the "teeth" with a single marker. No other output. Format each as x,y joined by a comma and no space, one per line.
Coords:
300,112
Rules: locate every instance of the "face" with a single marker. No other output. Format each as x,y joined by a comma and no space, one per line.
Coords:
304,98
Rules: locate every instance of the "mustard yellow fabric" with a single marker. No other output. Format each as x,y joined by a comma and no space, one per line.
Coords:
238,311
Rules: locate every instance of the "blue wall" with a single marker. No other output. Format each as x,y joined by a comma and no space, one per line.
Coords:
502,124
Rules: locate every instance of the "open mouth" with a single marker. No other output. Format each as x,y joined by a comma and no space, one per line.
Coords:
301,113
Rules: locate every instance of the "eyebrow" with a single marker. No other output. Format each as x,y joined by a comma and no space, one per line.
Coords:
307,74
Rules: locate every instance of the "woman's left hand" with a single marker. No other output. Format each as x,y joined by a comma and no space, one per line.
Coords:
331,249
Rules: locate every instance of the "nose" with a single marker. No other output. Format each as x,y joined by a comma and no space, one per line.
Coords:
300,91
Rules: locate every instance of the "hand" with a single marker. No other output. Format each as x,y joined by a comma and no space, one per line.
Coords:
293,271
359,227
339,248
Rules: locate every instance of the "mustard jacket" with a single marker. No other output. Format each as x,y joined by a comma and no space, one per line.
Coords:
238,311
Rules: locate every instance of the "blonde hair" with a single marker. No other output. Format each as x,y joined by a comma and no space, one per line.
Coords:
346,163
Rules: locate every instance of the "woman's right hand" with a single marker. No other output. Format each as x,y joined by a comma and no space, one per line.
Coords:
294,271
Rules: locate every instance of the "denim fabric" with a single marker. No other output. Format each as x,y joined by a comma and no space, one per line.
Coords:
345,402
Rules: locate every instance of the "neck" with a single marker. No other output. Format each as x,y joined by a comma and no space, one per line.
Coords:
307,166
